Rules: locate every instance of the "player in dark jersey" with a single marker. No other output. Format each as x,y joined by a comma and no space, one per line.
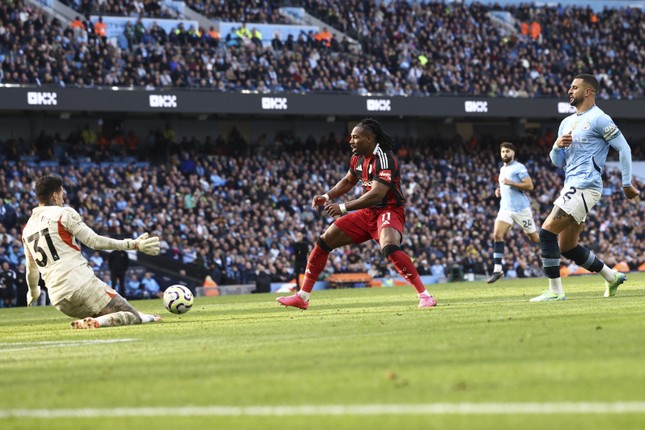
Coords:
377,214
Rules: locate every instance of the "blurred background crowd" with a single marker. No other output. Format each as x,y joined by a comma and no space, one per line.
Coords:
406,48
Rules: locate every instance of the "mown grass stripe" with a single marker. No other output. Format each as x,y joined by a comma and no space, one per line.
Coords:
339,410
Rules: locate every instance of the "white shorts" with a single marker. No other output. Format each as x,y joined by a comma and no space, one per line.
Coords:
577,202
522,218
88,300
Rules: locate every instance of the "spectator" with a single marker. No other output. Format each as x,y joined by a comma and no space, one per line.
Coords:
97,260
100,29
150,286
133,289
8,286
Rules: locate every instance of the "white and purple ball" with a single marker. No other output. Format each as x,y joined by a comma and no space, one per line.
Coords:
178,299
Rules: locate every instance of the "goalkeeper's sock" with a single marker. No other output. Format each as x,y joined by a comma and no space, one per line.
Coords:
403,264
117,319
147,318
315,265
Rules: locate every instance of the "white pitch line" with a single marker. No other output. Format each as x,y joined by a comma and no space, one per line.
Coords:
339,410
25,346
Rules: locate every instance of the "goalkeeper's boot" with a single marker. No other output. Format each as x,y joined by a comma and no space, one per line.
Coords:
85,323
296,301
427,301
611,288
548,296
496,276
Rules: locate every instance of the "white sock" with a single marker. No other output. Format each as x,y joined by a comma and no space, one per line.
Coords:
116,319
305,295
555,285
424,293
147,318
608,274
497,268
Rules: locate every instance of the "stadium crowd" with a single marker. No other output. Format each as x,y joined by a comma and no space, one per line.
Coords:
234,207
408,48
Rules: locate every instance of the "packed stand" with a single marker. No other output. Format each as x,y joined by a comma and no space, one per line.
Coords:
257,11
408,49
434,47
135,8
236,211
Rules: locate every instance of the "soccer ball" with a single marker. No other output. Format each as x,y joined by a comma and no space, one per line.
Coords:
178,299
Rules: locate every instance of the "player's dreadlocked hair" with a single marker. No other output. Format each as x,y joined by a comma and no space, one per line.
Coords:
383,139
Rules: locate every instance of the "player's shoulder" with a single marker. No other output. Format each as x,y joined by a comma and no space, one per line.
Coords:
598,115
71,215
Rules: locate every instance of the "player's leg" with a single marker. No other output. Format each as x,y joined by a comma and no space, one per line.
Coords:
502,226
332,238
98,305
389,228
557,221
525,220
583,257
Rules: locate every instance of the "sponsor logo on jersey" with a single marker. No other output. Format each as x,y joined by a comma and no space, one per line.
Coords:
39,98
274,103
163,101
476,106
386,175
379,105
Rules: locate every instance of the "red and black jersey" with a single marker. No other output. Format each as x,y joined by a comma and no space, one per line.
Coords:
381,166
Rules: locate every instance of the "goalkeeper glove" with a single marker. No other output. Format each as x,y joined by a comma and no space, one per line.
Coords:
145,244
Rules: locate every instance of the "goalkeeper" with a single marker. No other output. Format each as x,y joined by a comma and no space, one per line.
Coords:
50,239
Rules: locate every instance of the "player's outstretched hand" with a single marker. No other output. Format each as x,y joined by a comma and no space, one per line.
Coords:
32,296
147,245
631,192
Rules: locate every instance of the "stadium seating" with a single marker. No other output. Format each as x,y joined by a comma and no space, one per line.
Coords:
408,49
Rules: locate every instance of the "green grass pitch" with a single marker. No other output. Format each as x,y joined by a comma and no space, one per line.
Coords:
357,359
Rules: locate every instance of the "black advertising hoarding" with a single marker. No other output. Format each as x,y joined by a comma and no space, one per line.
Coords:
211,102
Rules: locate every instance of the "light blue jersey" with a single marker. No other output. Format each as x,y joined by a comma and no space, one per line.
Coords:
593,131
513,200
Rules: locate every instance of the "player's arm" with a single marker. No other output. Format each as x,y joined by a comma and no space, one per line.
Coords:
525,185
563,141
367,200
616,140
341,188
73,223
620,144
32,276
